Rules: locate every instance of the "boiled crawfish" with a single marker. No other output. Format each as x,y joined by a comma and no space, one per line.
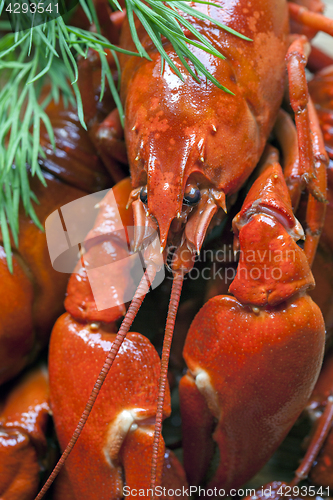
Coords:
182,176
32,298
33,295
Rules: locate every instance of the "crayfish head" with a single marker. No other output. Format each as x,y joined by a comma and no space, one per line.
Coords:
177,140
182,224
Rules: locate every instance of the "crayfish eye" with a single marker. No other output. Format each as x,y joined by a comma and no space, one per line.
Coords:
144,195
192,197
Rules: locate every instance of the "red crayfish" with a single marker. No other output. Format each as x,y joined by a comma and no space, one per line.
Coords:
191,147
33,293
32,299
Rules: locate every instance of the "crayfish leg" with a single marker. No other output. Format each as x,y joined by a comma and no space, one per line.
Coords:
296,58
314,20
318,406
312,156
317,201
316,206
286,134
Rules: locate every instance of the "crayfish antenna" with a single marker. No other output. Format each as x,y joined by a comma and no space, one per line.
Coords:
170,324
132,311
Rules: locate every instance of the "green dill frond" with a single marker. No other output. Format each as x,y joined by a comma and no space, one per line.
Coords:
29,60
47,53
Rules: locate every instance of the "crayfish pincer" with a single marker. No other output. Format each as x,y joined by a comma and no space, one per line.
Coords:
253,359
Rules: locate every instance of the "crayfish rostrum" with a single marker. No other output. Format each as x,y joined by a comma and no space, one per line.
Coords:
253,355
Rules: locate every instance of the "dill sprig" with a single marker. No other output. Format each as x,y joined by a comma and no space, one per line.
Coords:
47,54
